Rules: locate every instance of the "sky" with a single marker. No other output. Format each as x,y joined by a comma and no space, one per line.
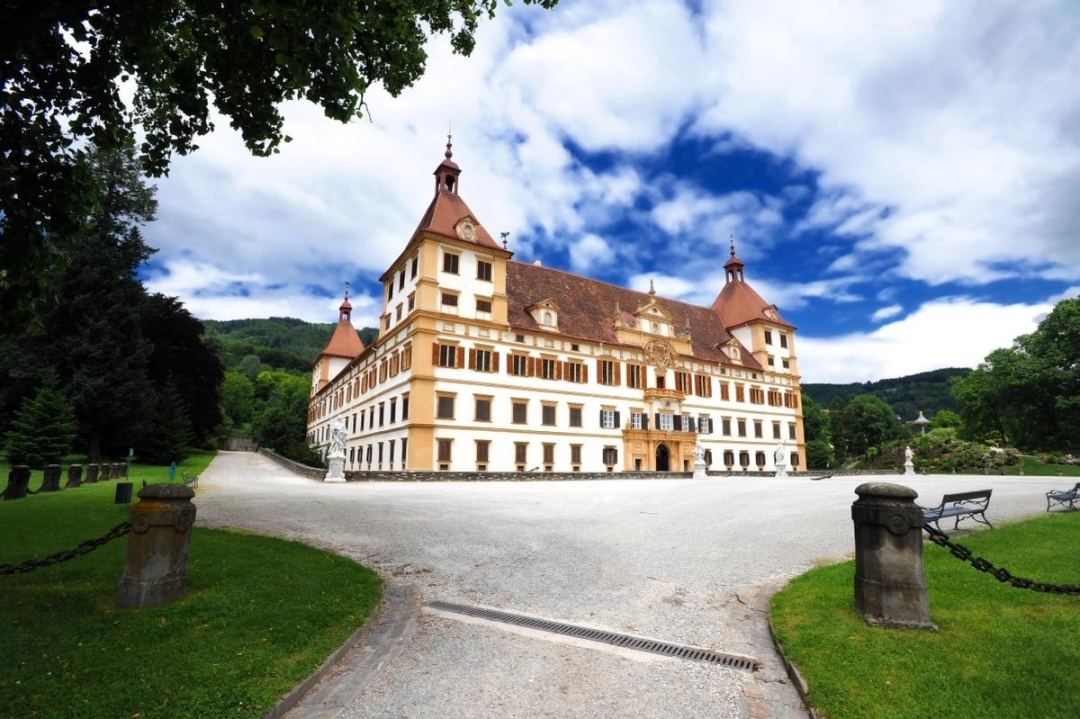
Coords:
901,179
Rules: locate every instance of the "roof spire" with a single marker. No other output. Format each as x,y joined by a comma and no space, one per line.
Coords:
446,174
652,289
449,143
733,268
346,308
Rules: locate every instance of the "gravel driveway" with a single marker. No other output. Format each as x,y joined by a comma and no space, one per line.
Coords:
688,561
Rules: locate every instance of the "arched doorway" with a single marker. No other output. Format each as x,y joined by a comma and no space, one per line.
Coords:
663,457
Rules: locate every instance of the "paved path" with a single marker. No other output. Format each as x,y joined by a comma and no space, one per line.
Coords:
688,561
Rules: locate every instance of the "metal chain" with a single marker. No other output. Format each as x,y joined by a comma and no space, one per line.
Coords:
85,548
1000,573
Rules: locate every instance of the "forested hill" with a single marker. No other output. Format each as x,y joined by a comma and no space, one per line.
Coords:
926,391
280,342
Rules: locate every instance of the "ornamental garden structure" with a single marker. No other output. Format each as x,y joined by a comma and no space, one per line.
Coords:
488,364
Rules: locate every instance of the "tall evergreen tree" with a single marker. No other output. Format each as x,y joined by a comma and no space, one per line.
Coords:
43,430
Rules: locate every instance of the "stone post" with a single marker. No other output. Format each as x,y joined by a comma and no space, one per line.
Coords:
74,477
890,579
104,471
155,570
91,473
18,482
51,480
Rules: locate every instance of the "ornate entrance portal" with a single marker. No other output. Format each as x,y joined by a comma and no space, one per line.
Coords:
662,458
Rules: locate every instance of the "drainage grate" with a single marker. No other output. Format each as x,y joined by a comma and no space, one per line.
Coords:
680,651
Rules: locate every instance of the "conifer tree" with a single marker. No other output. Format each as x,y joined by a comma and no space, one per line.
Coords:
44,428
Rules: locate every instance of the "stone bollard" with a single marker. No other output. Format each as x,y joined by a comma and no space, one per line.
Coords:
103,471
74,478
91,473
51,480
155,570
118,470
890,579
18,482
124,469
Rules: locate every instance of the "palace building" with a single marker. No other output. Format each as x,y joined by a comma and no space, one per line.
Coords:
485,363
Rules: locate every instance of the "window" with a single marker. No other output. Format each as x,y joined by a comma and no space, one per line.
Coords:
483,306
776,430
389,290
729,458
445,407
771,362
521,453
740,393
483,271
742,427
393,410
703,385
448,355
758,431
549,455
791,431
634,374
638,421
519,414
575,454
548,368
519,365
548,415
786,362
682,382
775,399
768,337
482,409
404,451
481,360
412,301
575,372
404,407
794,459
757,395
725,393
704,425
611,455
759,459
450,262
382,414
449,299
687,423
445,446
575,416
401,280
609,419
406,357
415,262
609,371
483,447
665,422
744,459
783,340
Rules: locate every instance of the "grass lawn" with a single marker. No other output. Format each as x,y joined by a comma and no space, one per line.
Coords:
1033,467
260,614
1000,651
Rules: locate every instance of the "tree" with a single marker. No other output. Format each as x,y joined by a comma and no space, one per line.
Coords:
43,430
946,418
281,424
181,358
237,394
863,423
63,64
165,433
1028,395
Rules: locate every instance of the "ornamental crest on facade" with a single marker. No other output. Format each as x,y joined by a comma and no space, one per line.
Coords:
659,354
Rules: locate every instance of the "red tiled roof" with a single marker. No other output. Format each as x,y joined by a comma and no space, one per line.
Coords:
739,304
345,342
444,213
587,309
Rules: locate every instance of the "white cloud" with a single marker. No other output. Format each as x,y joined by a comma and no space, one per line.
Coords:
949,332
588,252
886,312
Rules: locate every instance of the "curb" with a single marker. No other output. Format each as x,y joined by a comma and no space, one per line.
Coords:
380,635
792,671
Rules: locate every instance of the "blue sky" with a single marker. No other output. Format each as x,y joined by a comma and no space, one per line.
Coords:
901,179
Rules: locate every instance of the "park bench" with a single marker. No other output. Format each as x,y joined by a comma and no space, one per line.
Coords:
1062,497
960,505
191,480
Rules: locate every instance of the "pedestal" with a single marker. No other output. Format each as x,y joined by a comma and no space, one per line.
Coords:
699,470
155,570
890,581
781,469
909,468
336,473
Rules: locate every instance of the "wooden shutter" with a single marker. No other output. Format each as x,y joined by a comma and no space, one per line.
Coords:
530,367
459,355
472,358
494,361
435,354
678,422
618,422
601,419
616,377
584,372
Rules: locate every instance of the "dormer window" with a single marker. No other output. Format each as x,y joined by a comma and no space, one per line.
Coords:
548,321
545,313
